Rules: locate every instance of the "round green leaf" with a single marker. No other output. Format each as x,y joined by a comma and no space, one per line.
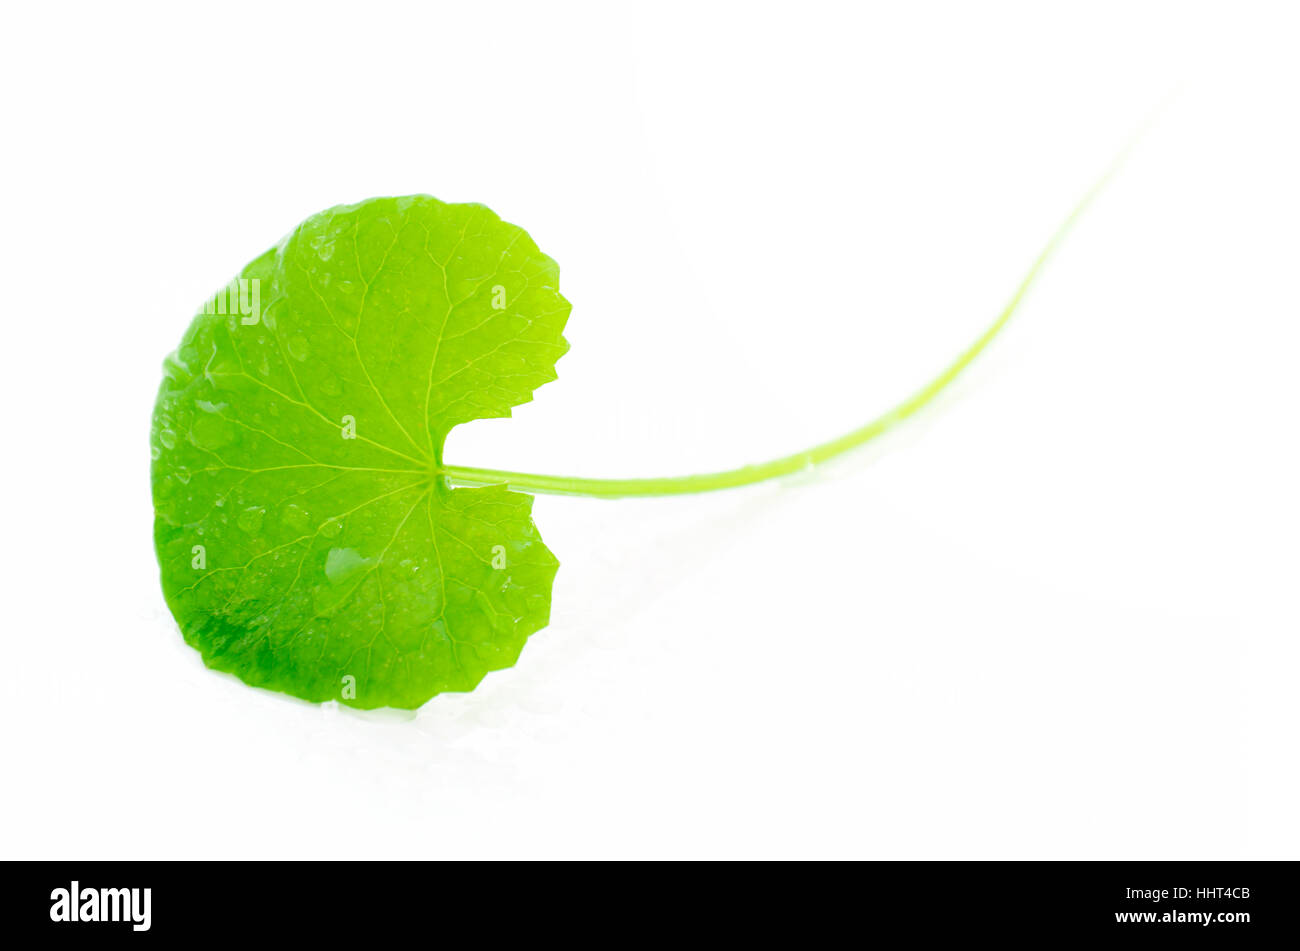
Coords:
308,538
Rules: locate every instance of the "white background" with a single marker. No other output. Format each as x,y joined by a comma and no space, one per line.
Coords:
1054,617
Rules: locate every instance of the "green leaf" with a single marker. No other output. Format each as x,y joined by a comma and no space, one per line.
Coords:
308,538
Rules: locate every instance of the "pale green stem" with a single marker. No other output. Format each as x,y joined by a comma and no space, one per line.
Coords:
807,458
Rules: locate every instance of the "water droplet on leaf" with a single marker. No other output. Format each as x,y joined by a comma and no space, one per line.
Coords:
250,520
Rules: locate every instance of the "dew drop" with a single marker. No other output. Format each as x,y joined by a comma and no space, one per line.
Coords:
295,518
323,246
212,432
167,438
342,563
250,520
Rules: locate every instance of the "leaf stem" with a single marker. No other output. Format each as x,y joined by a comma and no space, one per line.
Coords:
816,455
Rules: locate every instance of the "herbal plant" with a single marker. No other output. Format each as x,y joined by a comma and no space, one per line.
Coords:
311,537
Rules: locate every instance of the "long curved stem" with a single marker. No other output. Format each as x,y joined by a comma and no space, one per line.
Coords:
807,458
